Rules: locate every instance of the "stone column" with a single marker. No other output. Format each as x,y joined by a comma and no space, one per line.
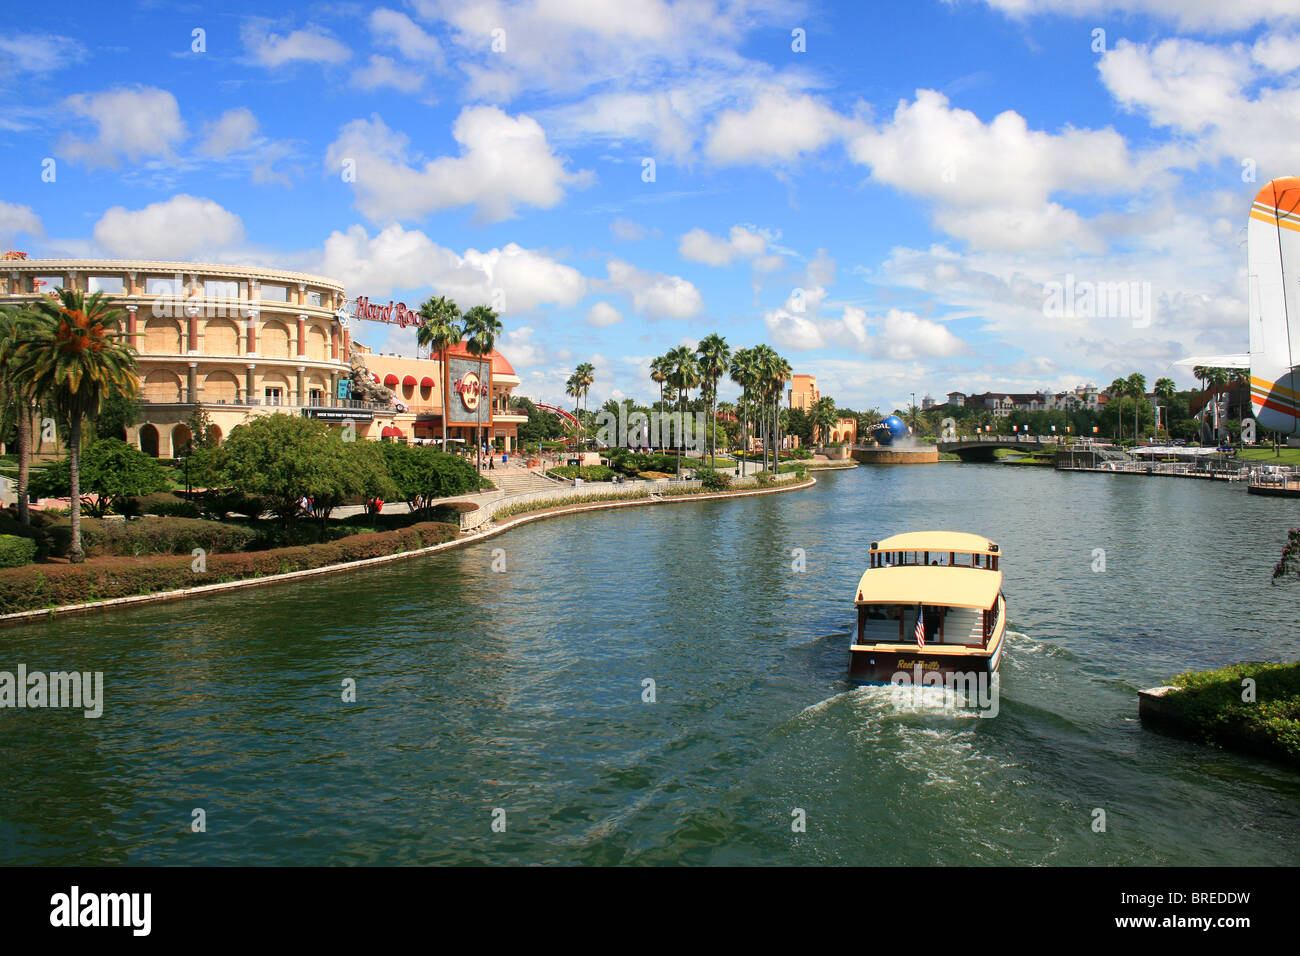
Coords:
332,399
302,395
302,336
192,383
253,316
334,343
250,389
131,328
192,337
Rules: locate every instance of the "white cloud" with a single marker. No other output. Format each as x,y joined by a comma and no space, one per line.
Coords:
1188,14
383,71
38,53
235,130
743,242
130,123
176,228
312,44
504,162
397,259
994,182
1226,102
400,31
15,219
898,335
655,295
602,315
778,127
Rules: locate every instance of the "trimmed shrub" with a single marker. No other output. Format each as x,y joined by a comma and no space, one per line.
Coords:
712,479
37,531
53,585
585,472
16,551
164,504
150,536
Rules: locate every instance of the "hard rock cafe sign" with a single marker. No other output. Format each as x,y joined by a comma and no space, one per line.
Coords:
471,390
394,312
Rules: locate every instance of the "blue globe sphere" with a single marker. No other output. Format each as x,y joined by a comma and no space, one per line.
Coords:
889,430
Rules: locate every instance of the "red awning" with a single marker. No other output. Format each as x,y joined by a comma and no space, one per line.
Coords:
389,432
374,376
409,380
426,382
390,379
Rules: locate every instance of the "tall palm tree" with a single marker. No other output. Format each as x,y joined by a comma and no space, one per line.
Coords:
482,326
440,331
714,354
77,356
586,373
823,417
659,375
573,388
16,396
1137,387
741,371
1165,389
783,373
1118,389
685,375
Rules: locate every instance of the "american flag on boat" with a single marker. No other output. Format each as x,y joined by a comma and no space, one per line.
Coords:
920,627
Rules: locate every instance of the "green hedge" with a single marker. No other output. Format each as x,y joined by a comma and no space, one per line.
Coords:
585,472
54,585
15,551
166,505
150,536
1211,702
37,531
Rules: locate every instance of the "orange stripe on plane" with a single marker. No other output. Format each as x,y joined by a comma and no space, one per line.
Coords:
1264,385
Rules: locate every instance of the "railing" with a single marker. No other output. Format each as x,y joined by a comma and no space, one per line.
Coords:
261,402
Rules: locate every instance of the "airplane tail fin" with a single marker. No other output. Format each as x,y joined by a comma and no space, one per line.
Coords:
1273,253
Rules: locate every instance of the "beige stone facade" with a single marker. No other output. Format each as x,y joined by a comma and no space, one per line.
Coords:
247,341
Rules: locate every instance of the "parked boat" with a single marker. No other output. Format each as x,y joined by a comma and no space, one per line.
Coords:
929,601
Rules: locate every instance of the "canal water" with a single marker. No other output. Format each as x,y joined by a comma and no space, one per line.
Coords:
520,698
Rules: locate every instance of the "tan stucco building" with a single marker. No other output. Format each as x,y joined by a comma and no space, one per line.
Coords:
245,341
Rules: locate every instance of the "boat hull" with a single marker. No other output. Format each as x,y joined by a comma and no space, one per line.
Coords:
882,664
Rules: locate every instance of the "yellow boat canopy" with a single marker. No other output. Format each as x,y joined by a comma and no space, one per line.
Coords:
926,584
938,541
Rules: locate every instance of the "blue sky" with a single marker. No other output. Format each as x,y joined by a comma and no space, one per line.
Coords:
888,206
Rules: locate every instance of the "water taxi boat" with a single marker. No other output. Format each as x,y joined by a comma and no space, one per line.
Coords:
929,601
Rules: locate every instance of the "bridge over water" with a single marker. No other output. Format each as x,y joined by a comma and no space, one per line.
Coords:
982,447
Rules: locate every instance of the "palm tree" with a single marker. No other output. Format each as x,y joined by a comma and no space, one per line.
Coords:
1137,387
1118,389
1165,389
76,356
823,417
741,372
573,388
440,331
685,375
914,418
15,394
586,373
482,326
714,354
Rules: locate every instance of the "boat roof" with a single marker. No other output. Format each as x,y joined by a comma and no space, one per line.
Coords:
937,541
944,585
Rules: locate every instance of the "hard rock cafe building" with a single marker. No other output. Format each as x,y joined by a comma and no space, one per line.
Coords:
245,341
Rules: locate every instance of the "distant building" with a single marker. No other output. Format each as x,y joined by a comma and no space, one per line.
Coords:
927,403
803,393
957,399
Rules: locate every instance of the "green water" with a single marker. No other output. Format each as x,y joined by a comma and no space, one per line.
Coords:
523,691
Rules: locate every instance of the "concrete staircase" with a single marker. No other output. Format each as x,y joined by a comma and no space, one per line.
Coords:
515,481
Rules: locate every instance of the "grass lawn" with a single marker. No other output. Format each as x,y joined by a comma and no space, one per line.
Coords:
1266,456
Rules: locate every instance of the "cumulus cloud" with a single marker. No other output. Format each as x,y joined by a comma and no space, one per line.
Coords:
130,123
778,127
176,228
235,130
15,219
994,182
505,162
743,242
654,295
312,44
1224,101
602,315
630,231
516,279
898,334
396,29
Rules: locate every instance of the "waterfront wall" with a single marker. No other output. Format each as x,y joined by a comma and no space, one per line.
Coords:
922,455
